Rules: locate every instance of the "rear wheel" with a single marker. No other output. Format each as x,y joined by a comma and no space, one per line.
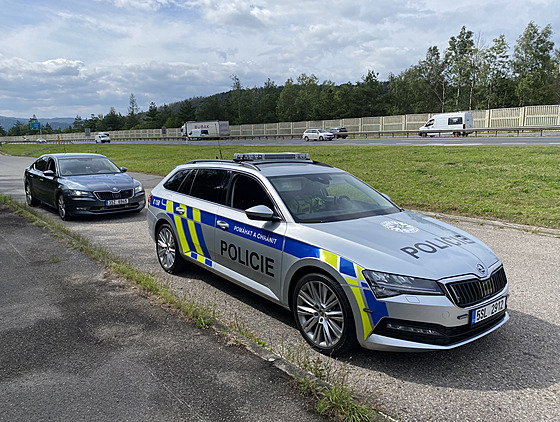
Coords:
31,201
323,314
61,207
167,249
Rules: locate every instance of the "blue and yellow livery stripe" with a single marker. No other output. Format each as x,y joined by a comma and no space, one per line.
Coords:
188,222
371,310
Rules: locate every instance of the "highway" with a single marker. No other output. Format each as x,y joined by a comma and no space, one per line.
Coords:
552,139
512,374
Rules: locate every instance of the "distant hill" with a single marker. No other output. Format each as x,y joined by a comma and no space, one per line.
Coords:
56,122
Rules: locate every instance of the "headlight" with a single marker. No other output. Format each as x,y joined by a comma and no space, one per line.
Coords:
387,285
138,187
80,193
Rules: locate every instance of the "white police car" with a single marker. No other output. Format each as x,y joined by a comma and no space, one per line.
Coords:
350,264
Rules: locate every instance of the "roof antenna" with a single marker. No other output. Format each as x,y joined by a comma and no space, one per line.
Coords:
219,147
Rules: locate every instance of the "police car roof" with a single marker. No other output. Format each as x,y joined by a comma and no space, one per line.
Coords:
272,164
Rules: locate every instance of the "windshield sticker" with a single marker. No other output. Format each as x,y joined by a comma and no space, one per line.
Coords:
397,226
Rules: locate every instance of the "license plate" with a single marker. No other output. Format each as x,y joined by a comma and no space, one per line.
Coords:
116,202
487,311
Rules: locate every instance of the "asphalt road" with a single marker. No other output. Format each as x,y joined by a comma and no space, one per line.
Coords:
512,374
77,344
502,139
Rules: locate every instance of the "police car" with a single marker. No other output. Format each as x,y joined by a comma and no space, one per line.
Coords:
352,266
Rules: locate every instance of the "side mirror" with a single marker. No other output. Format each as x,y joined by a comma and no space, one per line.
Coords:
261,213
124,169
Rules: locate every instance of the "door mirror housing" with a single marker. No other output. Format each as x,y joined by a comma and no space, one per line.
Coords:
261,213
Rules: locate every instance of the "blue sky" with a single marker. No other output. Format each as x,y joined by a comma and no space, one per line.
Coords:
65,58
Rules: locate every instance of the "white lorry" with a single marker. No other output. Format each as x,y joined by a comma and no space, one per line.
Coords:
460,124
213,129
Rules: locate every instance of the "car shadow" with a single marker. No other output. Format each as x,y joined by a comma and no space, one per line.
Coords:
522,354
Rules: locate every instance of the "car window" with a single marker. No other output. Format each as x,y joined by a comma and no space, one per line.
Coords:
247,192
455,121
314,198
174,182
210,184
51,165
78,166
41,164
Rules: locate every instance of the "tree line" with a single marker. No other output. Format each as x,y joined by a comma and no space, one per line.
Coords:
469,74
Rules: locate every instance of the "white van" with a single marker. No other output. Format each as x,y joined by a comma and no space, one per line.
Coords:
197,134
102,137
460,124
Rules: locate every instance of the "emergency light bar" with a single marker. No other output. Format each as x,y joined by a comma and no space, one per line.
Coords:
270,156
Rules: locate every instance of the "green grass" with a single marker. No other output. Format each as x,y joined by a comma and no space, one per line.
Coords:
515,184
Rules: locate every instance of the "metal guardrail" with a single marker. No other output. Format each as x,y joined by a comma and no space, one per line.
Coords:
352,135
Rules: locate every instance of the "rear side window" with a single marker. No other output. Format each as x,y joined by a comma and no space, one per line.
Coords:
41,164
211,185
174,182
455,121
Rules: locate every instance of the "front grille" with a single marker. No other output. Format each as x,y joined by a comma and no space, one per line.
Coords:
106,195
469,292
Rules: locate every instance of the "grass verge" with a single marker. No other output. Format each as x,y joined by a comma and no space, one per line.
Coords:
203,316
518,184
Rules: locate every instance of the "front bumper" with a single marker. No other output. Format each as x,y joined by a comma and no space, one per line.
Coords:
456,338
93,206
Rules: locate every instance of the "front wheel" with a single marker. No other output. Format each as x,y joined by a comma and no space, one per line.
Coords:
167,249
323,314
306,139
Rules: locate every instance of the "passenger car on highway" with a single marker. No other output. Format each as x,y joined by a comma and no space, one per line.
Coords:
339,132
82,184
102,137
350,264
317,135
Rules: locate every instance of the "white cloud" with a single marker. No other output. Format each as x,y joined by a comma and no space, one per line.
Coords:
86,57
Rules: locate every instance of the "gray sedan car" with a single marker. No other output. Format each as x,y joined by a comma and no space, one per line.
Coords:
82,184
352,266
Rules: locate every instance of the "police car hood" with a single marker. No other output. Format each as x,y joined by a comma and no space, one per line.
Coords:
100,182
407,243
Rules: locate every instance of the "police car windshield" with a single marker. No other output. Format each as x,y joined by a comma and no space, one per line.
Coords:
327,197
87,165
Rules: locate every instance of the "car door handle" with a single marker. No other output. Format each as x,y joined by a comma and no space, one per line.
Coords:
222,225
180,211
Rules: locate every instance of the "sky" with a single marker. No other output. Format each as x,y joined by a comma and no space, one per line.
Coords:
68,58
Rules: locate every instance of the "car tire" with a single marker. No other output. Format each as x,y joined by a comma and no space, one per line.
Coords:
306,139
31,201
323,314
62,208
320,138
167,250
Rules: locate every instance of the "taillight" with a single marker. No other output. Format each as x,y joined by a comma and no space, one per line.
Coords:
150,200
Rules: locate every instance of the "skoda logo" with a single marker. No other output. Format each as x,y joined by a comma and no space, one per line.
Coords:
397,226
115,189
481,268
